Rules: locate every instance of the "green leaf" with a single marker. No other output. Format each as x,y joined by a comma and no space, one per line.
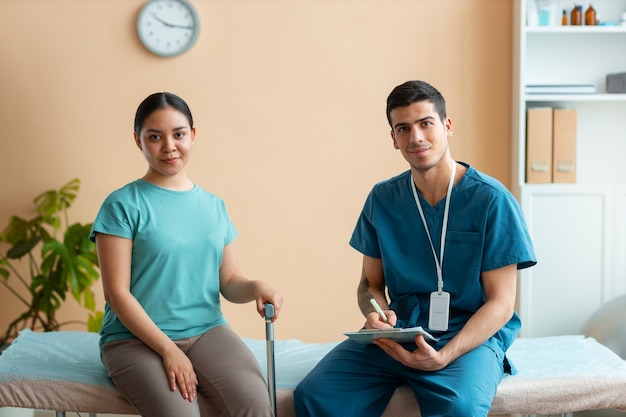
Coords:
88,299
46,294
51,202
23,247
4,273
60,267
94,323
14,231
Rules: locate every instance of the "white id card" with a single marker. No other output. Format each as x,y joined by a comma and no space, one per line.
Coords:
439,311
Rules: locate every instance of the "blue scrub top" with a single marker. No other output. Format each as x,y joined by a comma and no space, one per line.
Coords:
486,231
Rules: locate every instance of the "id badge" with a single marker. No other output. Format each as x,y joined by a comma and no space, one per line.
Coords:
439,311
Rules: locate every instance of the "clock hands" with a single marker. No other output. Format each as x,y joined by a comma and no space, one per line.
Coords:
170,25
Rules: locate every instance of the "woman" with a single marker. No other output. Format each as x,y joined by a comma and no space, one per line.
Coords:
166,251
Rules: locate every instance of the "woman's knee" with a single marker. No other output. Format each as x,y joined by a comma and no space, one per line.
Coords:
229,375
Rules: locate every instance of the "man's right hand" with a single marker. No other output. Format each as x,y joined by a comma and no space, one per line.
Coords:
374,321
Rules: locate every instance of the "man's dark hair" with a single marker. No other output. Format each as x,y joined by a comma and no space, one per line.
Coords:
414,91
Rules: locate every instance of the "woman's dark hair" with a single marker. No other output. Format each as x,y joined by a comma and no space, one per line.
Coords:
413,91
159,101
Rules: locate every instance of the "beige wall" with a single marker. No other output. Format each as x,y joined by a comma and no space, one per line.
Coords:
288,98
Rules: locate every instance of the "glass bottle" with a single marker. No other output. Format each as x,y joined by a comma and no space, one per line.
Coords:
532,19
564,18
590,16
576,18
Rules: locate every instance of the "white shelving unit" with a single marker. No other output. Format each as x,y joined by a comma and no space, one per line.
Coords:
578,229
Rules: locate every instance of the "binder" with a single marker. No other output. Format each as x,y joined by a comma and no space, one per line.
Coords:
539,145
560,89
564,146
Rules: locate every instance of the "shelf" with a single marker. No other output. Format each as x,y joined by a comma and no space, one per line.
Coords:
577,187
582,220
575,29
575,97
573,55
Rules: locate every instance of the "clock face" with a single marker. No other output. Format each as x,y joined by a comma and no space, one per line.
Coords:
168,27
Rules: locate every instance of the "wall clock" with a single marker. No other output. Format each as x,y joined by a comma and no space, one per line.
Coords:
168,27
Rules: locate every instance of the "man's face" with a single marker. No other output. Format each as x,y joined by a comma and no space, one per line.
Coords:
420,135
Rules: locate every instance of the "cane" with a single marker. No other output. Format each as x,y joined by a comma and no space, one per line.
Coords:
271,369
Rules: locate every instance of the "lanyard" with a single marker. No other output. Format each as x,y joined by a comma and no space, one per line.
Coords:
444,227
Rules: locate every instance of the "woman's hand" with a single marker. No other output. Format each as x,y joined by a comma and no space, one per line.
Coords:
266,294
180,373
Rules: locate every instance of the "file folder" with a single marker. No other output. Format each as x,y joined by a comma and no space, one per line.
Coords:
539,145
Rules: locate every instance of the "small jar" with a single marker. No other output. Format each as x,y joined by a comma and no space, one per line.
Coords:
590,16
576,18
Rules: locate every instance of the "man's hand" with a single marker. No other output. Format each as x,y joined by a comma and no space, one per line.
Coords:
424,358
375,321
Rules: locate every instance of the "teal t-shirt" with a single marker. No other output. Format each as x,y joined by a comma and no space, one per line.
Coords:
178,241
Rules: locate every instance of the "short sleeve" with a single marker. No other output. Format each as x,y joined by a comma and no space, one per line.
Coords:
113,218
364,237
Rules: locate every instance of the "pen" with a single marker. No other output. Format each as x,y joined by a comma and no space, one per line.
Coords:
379,310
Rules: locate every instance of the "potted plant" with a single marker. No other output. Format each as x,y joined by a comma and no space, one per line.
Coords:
59,260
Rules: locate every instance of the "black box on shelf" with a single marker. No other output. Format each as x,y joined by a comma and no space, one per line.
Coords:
616,83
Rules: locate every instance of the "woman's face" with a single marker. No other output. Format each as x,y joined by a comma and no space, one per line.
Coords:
166,139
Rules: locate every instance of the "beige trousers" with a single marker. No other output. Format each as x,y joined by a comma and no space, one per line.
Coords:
230,382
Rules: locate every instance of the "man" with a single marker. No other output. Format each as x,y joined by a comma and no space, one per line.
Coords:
462,292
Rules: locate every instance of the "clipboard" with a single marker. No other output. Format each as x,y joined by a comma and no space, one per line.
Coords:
406,335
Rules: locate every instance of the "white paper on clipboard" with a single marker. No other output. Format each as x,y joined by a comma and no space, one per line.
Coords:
367,336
